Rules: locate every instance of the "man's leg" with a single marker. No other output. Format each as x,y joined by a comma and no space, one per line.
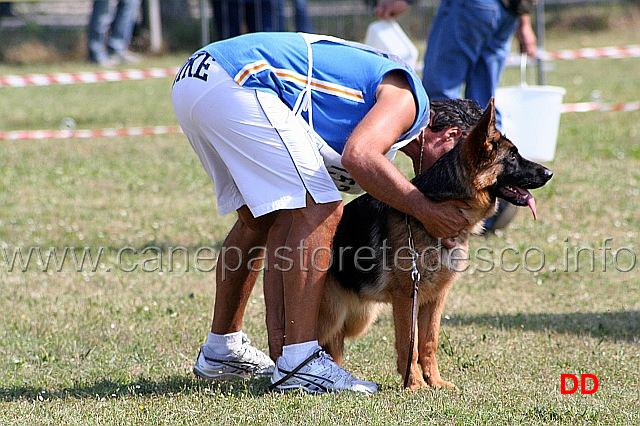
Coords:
303,364
458,34
303,21
484,76
228,16
483,81
310,237
299,256
277,261
97,30
122,28
235,278
446,60
228,353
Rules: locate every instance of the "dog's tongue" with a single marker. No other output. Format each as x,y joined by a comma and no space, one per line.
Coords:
532,205
526,195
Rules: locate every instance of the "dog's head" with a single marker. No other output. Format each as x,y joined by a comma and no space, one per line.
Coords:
493,164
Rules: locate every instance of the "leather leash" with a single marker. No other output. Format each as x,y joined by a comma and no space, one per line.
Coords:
415,276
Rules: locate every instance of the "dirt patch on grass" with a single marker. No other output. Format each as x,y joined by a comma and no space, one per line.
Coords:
38,45
593,18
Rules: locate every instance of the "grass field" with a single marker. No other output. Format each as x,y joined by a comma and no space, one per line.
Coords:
114,343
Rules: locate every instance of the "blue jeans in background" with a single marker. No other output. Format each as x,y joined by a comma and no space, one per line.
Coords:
468,46
118,22
302,19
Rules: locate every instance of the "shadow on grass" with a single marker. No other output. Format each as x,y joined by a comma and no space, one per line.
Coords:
110,389
614,326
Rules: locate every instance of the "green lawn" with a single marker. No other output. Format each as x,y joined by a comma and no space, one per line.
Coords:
115,345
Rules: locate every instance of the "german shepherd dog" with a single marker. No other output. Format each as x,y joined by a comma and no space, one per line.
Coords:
371,264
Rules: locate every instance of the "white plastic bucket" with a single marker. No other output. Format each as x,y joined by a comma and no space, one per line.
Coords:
389,37
530,118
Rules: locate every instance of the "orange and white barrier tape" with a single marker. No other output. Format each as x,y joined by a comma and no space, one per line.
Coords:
84,134
167,130
84,77
597,106
631,51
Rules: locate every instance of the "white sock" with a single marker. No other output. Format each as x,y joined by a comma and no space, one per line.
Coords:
224,344
298,352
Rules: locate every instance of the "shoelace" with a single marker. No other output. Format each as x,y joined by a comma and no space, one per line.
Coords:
325,359
290,374
256,355
335,369
260,360
246,351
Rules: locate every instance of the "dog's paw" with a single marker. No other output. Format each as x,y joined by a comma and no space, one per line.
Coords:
439,383
415,382
417,385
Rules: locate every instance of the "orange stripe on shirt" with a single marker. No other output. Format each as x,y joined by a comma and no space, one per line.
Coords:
298,79
326,87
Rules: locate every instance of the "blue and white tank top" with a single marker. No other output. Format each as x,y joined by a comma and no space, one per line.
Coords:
341,77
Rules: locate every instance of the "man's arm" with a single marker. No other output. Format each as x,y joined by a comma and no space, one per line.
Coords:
526,36
363,156
391,9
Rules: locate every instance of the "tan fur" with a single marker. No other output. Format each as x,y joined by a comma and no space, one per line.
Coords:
343,313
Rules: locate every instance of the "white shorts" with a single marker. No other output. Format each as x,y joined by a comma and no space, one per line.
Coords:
256,151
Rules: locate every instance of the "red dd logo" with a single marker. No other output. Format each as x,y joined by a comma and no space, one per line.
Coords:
575,385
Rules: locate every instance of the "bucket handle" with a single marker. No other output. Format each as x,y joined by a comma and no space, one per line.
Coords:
523,69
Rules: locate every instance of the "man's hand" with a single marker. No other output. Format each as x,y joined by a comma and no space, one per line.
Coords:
445,220
363,157
526,36
390,9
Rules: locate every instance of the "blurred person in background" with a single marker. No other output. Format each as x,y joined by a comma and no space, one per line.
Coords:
110,30
467,46
5,10
235,17
302,21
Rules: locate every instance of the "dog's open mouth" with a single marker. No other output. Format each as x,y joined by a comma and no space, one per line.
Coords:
519,197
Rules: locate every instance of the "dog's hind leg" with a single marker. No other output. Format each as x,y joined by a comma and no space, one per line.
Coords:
331,319
428,329
335,347
402,318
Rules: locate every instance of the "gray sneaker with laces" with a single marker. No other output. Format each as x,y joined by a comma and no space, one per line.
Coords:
318,374
246,362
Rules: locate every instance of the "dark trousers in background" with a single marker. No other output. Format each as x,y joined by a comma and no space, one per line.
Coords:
235,17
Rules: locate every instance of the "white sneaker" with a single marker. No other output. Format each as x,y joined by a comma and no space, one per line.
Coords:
318,374
109,62
244,363
128,57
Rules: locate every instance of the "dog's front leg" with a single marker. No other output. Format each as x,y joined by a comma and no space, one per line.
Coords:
428,329
402,318
335,348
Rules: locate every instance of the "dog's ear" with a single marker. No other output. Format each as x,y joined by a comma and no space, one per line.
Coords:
482,138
